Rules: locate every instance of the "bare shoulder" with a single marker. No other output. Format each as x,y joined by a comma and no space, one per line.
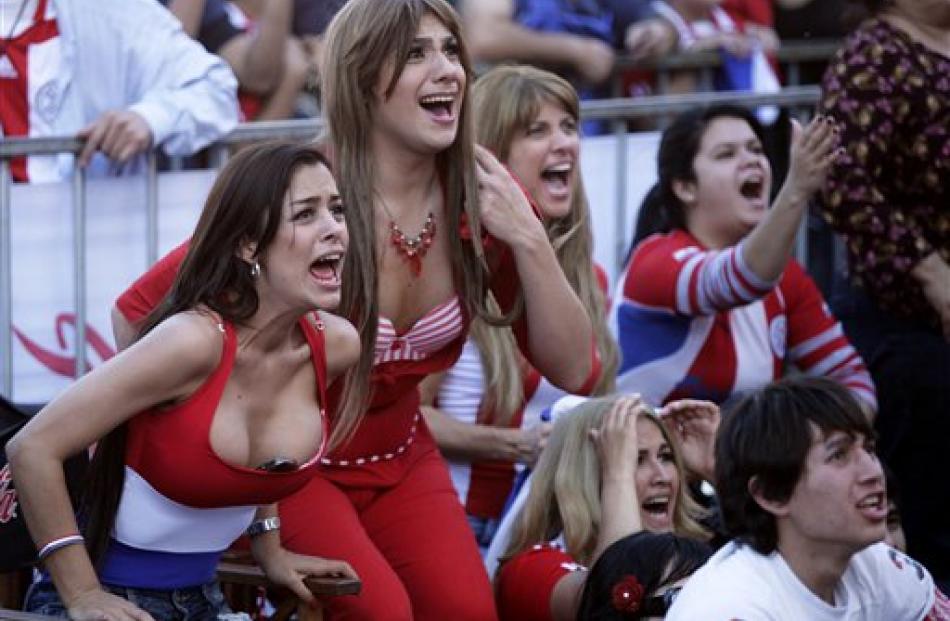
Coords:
342,342
192,339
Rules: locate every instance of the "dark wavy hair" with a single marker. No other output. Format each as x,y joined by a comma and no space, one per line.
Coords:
767,437
661,210
244,205
654,559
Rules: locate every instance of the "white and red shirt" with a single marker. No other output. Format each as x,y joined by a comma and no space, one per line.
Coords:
698,323
879,584
79,60
28,69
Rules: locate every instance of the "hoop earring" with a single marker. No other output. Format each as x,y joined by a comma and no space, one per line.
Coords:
255,269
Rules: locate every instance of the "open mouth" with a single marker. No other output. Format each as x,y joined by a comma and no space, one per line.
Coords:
874,506
657,507
753,188
557,178
439,106
327,268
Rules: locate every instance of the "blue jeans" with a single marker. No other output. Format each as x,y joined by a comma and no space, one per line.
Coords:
484,529
200,603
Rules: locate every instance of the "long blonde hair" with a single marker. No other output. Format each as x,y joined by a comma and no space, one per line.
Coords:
507,100
564,498
361,39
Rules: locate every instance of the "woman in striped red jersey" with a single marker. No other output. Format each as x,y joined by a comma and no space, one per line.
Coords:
712,304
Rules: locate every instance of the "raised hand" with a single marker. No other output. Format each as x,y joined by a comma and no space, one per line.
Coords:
504,209
813,150
616,439
694,424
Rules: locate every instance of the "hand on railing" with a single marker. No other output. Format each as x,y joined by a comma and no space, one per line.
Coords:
650,38
120,134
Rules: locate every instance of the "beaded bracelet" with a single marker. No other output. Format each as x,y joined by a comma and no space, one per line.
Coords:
56,544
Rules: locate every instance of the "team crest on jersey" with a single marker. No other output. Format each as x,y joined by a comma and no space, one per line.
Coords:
778,334
47,101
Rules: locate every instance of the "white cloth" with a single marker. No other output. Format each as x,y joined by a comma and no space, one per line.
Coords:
880,584
132,54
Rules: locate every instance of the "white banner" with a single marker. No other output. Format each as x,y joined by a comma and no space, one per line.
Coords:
42,231
44,316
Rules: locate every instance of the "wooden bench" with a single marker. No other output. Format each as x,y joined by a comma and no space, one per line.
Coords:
238,573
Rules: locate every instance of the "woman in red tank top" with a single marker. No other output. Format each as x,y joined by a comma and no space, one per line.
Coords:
211,408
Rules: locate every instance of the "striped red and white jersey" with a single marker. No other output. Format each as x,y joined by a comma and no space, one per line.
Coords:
28,67
698,323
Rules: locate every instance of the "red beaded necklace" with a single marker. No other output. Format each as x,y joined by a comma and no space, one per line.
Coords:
412,249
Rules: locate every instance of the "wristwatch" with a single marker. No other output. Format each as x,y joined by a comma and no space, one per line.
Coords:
259,527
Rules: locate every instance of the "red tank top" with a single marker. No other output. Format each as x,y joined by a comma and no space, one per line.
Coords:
171,449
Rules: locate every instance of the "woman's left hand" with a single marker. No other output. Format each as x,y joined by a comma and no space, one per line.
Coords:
289,570
694,423
504,209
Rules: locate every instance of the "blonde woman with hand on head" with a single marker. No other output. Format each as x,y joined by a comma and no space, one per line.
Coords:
611,468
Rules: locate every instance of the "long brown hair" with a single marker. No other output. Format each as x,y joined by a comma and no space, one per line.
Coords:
507,100
565,488
244,205
361,39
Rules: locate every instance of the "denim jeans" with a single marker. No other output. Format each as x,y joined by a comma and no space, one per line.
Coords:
484,529
200,603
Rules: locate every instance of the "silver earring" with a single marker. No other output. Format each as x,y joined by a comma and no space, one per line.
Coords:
255,269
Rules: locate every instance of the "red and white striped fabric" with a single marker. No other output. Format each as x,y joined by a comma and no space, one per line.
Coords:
439,327
698,323
941,609
27,68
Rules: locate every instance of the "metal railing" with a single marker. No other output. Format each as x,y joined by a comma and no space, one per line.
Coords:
790,56
617,111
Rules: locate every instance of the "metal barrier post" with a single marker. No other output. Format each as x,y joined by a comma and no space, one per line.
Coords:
792,74
6,282
79,266
151,209
620,215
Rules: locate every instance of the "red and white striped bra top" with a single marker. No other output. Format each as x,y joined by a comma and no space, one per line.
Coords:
433,331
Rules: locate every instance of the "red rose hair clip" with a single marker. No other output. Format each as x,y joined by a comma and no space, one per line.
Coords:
627,594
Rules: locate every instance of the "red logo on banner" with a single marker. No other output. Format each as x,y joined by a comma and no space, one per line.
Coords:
8,502
61,364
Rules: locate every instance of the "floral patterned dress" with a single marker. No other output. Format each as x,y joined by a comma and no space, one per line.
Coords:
890,194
